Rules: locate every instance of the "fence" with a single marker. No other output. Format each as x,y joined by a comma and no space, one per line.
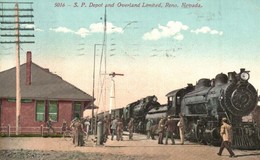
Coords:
37,131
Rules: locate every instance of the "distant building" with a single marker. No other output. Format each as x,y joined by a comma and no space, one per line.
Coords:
43,95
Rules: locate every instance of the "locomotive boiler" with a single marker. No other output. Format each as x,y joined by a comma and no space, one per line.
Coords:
206,103
136,110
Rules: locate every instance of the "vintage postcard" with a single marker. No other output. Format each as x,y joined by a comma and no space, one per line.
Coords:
129,79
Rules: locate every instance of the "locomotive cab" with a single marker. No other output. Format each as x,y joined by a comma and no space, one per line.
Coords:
175,97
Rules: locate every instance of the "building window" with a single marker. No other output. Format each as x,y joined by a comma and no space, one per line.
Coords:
40,111
77,108
26,100
11,100
22,100
53,110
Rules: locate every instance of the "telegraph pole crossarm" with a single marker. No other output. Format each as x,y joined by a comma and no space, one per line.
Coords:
11,22
15,35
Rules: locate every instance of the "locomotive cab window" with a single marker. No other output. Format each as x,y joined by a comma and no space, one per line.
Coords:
178,100
170,101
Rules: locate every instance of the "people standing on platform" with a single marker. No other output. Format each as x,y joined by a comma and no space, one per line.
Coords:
113,127
170,128
140,127
131,128
226,134
78,131
148,128
64,128
86,127
119,130
106,126
181,125
49,125
73,129
161,127
153,130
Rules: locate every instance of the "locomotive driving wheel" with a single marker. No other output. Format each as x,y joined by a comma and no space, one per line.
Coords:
214,137
199,130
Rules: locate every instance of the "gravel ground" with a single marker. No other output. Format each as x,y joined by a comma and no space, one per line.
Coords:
38,148
59,155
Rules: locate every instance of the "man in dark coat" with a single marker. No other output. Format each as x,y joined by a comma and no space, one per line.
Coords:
106,127
161,128
113,127
78,131
49,125
153,130
170,128
119,130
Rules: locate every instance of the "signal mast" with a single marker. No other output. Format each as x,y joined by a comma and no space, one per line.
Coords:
112,91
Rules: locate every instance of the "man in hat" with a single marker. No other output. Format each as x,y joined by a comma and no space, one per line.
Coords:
49,125
113,127
148,128
78,131
170,128
161,128
131,128
107,126
181,126
119,129
226,134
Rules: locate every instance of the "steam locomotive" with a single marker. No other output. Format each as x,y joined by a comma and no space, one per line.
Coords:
203,105
136,110
206,103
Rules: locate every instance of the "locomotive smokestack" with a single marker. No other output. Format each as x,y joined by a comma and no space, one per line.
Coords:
242,70
190,85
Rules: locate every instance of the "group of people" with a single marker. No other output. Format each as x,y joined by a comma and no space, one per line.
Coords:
169,126
166,127
116,126
80,129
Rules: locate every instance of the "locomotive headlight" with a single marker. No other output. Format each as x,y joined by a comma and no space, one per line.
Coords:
154,99
244,76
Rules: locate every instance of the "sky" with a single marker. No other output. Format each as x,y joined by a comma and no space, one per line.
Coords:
158,49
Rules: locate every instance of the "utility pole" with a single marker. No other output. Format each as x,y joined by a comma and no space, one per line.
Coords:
93,127
112,91
11,10
103,57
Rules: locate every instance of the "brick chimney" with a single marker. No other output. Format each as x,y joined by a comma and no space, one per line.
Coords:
28,68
